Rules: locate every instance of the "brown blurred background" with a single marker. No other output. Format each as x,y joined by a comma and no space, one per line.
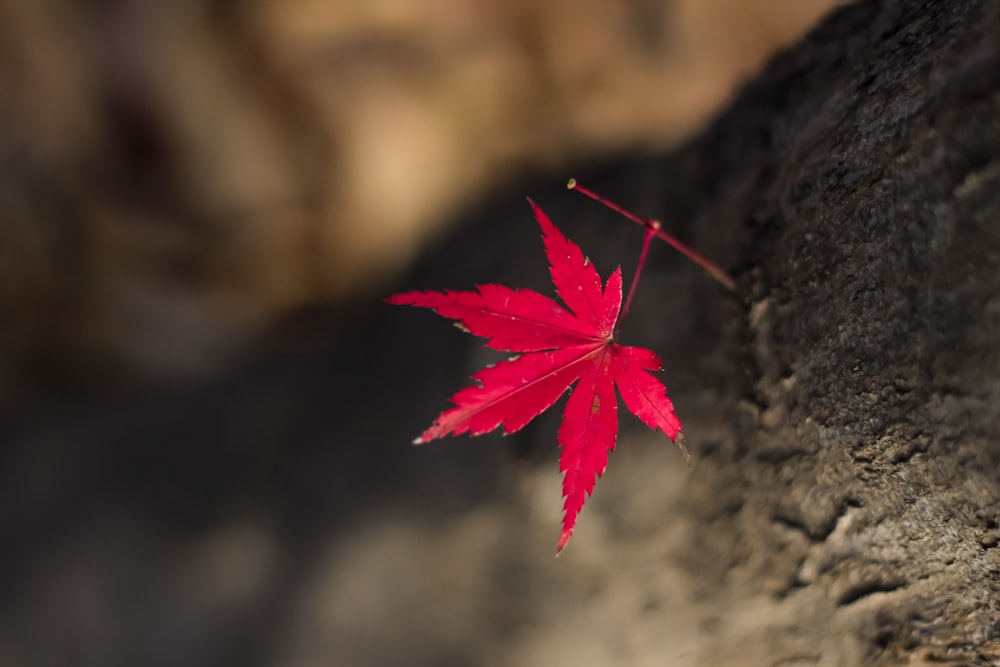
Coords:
178,175
179,179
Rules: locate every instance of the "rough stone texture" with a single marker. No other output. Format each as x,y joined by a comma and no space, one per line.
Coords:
864,171
844,508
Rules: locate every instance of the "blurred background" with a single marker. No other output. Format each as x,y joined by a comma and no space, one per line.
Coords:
204,411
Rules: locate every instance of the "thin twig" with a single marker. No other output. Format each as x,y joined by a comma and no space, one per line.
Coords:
710,267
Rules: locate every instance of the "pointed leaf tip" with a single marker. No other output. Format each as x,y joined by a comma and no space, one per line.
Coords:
576,279
563,540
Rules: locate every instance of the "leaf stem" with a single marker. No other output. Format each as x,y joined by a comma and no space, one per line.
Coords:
653,229
647,237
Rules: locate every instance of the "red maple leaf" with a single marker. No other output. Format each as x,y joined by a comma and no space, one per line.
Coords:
559,346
